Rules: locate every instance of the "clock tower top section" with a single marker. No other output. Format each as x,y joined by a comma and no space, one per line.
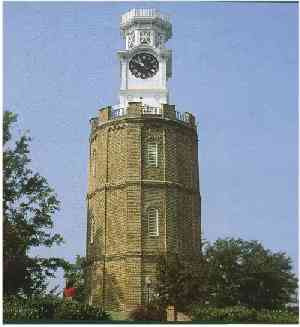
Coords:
141,27
145,62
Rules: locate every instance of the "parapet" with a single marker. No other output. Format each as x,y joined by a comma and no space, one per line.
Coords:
152,16
137,109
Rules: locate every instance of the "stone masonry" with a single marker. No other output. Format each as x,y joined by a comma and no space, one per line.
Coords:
122,187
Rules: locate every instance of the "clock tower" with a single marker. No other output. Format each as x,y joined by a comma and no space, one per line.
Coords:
146,62
143,198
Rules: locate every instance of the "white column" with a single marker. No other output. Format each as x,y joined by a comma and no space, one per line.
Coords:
152,38
123,74
137,37
163,71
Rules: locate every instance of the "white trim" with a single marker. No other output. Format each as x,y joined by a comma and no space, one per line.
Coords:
92,229
94,163
152,155
153,222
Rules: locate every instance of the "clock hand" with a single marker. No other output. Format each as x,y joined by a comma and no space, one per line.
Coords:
138,62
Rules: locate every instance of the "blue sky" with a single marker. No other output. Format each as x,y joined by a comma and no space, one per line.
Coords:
235,66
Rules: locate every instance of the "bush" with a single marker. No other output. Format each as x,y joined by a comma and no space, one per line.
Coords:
146,313
71,310
237,313
242,314
49,308
15,308
46,306
277,316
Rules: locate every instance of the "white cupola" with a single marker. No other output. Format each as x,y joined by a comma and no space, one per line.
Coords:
145,63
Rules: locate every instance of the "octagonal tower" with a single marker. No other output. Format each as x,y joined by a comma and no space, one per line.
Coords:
143,196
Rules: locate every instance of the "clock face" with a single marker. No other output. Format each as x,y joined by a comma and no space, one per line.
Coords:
143,65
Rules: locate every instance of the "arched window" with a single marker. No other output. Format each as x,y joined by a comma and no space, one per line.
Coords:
152,154
153,222
92,229
94,163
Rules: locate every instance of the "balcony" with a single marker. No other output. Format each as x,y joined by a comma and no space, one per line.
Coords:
183,116
147,110
117,111
152,16
137,109
143,13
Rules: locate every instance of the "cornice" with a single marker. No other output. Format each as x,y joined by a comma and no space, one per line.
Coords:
142,182
149,256
123,122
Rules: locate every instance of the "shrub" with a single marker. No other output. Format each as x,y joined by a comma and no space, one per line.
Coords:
49,308
236,313
146,313
71,310
15,308
277,316
242,314
46,306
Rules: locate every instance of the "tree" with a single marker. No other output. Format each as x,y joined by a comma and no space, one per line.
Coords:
75,274
245,273
28,206
181,282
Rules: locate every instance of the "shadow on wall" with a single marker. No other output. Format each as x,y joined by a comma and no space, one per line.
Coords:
99,244
114,297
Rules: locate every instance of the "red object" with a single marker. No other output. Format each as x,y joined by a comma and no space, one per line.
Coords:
70,292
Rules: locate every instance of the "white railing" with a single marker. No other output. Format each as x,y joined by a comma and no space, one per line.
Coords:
147,13
147,110
182,116
117,111
94,122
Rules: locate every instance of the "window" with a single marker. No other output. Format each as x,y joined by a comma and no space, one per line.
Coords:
159,39
92,230
131,39
145,37
94,163
153,222
152,154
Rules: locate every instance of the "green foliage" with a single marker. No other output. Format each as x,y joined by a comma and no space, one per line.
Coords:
181,282
49,308
245,273
28,206
230,272
72,310
17,308
229,314
150,313
277,316
75,274
242,315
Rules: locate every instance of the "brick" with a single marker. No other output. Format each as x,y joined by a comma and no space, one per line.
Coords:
124,188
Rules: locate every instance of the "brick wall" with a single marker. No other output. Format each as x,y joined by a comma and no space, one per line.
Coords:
152,135
153,197
121,190
117,154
